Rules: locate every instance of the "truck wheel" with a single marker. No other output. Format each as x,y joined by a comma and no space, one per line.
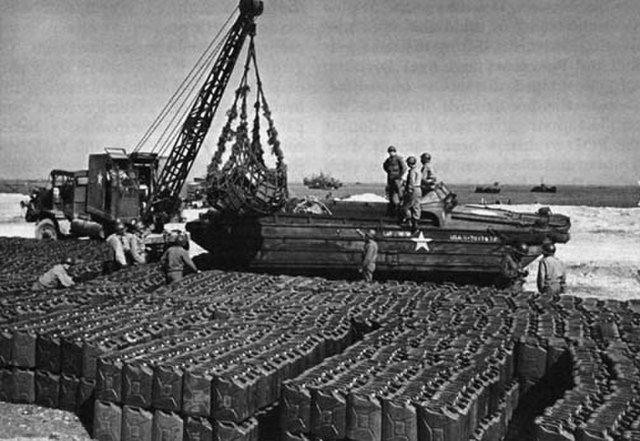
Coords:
46,229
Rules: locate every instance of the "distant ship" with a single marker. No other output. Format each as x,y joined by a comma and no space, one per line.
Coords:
322,182
543,188
495,188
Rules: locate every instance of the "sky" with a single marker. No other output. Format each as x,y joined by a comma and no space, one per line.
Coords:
513,91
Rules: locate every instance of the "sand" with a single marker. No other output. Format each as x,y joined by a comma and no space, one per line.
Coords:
602,257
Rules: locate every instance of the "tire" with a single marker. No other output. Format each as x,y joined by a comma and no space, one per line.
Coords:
46,229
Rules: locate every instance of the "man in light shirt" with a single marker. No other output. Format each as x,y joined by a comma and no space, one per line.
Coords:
552,274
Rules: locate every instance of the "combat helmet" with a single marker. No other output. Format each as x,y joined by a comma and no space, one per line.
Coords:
548,249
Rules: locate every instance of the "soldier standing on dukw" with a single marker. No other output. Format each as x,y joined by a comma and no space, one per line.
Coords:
413,194
395,168
428,178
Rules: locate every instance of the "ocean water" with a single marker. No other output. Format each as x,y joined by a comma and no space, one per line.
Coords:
580,195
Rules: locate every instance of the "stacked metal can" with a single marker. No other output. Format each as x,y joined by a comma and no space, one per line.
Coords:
225,355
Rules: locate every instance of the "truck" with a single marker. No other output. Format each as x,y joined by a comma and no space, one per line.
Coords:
139,185
115,186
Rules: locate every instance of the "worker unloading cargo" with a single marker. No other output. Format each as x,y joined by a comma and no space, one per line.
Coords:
175,262
137,233
512,272
125,248
552,275
369,255
56,277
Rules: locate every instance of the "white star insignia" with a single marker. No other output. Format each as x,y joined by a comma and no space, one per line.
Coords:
421,242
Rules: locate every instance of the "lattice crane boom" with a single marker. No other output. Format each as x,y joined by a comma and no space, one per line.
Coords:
165,199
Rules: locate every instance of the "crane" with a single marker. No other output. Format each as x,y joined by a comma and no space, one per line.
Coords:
165,201
125,186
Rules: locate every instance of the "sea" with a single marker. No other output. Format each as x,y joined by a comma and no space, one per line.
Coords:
580,195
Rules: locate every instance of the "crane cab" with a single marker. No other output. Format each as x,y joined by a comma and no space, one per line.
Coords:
119,184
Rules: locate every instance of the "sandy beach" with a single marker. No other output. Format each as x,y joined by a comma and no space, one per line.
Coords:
602,257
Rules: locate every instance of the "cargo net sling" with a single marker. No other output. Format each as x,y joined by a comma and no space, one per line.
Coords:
245,184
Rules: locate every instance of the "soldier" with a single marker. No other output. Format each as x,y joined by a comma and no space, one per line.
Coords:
137,233
56,277
369,256
428,177
551,272
412,194
512,273
395,168
175,261
124,247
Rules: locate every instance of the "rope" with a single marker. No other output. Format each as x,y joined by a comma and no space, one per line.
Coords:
244,184
194,74
175,124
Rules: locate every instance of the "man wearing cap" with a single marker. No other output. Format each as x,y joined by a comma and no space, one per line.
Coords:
428,177
395,168
56,277
551,272
123,248
412,194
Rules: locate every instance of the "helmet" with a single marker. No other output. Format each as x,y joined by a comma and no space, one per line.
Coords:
69,261
548,249
391,149
411,160
522,249
426,156
135,225
544,211
119,226
183,241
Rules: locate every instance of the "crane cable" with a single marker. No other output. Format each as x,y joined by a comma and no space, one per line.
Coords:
194,75
175,125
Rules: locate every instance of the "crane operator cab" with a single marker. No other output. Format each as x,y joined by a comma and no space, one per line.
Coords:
119,184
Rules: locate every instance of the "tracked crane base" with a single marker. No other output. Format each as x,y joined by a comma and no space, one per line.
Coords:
228,355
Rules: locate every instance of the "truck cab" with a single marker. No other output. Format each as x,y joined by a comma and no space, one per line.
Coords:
119,185
88,202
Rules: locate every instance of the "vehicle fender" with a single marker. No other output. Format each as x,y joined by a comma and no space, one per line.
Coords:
64,226
44,222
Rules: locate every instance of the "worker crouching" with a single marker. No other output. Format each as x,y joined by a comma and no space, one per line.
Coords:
56,277
125,248
175,262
